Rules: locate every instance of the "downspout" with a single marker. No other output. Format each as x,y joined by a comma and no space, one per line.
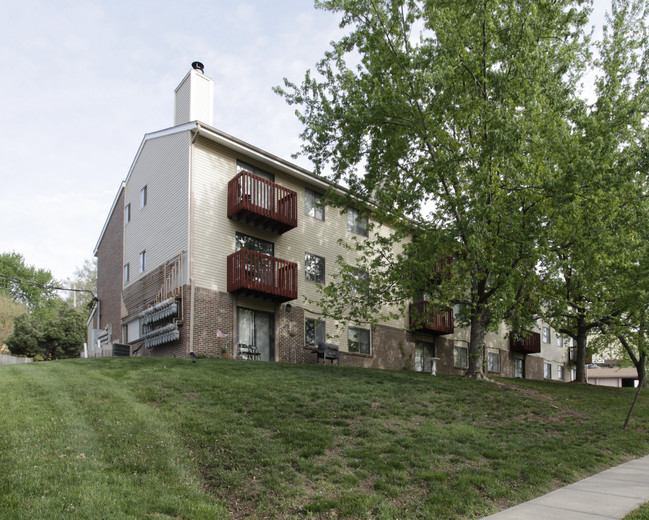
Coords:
190,245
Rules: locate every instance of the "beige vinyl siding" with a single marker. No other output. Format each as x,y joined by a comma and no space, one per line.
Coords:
160,228
214,234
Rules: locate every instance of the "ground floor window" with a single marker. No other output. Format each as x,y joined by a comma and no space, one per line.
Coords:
519,367
547,370
460,356
493,361
560,374
314,332
358,340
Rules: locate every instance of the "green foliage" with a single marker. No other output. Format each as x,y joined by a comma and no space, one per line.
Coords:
449,114
56,331
24,284
595,268
84,281
9,309
152,438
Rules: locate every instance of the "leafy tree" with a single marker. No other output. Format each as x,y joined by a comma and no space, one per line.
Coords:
56,331
448,114
9,310
24,284
84,283
595,242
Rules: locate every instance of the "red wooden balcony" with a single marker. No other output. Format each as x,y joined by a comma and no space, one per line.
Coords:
525,342
256,274
262,203
426,316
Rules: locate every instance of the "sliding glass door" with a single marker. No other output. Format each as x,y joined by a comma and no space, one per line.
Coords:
256,328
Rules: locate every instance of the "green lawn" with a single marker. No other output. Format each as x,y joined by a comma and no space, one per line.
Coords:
143,438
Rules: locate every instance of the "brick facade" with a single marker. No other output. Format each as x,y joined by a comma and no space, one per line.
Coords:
109,271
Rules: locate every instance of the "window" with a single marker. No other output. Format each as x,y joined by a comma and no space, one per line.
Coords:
127,273
358,340
559,341
244,167
143,261
143,197
314,332
314,268
254,244
493,361
127,213
313,204
460,357
546,334
560,373
356,223
547,370
573,374
519,367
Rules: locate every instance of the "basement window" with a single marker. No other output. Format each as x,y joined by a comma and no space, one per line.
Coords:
460,357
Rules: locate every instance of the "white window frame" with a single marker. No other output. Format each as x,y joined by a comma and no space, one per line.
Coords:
559,341
355,343
357,223
519,368
547,337
493,362
312,204
144,196
547,370
460,356
311,274
560,373
127,213
143,261
319,332
127,272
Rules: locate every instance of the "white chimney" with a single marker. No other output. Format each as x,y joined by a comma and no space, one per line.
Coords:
195,97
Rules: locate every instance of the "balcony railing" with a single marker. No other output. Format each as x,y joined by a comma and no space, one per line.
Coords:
525,342
262,203
427,316
262,275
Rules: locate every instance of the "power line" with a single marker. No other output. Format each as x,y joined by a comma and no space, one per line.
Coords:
43,286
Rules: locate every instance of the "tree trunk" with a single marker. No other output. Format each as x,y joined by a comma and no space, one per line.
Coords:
642,370
582,339
476,346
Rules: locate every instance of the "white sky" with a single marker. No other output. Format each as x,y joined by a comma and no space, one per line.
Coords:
84,80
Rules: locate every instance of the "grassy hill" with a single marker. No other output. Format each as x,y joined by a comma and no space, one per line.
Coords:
162,438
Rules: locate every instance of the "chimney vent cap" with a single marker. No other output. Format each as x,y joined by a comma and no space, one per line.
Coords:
197,65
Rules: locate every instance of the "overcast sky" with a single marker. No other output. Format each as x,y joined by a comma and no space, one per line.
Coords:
84,80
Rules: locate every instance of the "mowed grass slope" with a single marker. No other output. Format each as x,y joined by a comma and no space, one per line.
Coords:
164,438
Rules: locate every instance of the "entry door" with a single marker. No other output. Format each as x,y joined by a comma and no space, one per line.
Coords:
256,328
519,368
423,352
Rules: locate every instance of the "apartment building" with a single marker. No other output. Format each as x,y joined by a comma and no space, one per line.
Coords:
213,243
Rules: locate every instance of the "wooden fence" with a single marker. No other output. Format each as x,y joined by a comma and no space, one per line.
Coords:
13,360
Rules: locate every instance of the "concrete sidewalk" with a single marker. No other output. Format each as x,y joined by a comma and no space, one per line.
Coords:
614,493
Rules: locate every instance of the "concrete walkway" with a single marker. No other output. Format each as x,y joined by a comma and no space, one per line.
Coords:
613,493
